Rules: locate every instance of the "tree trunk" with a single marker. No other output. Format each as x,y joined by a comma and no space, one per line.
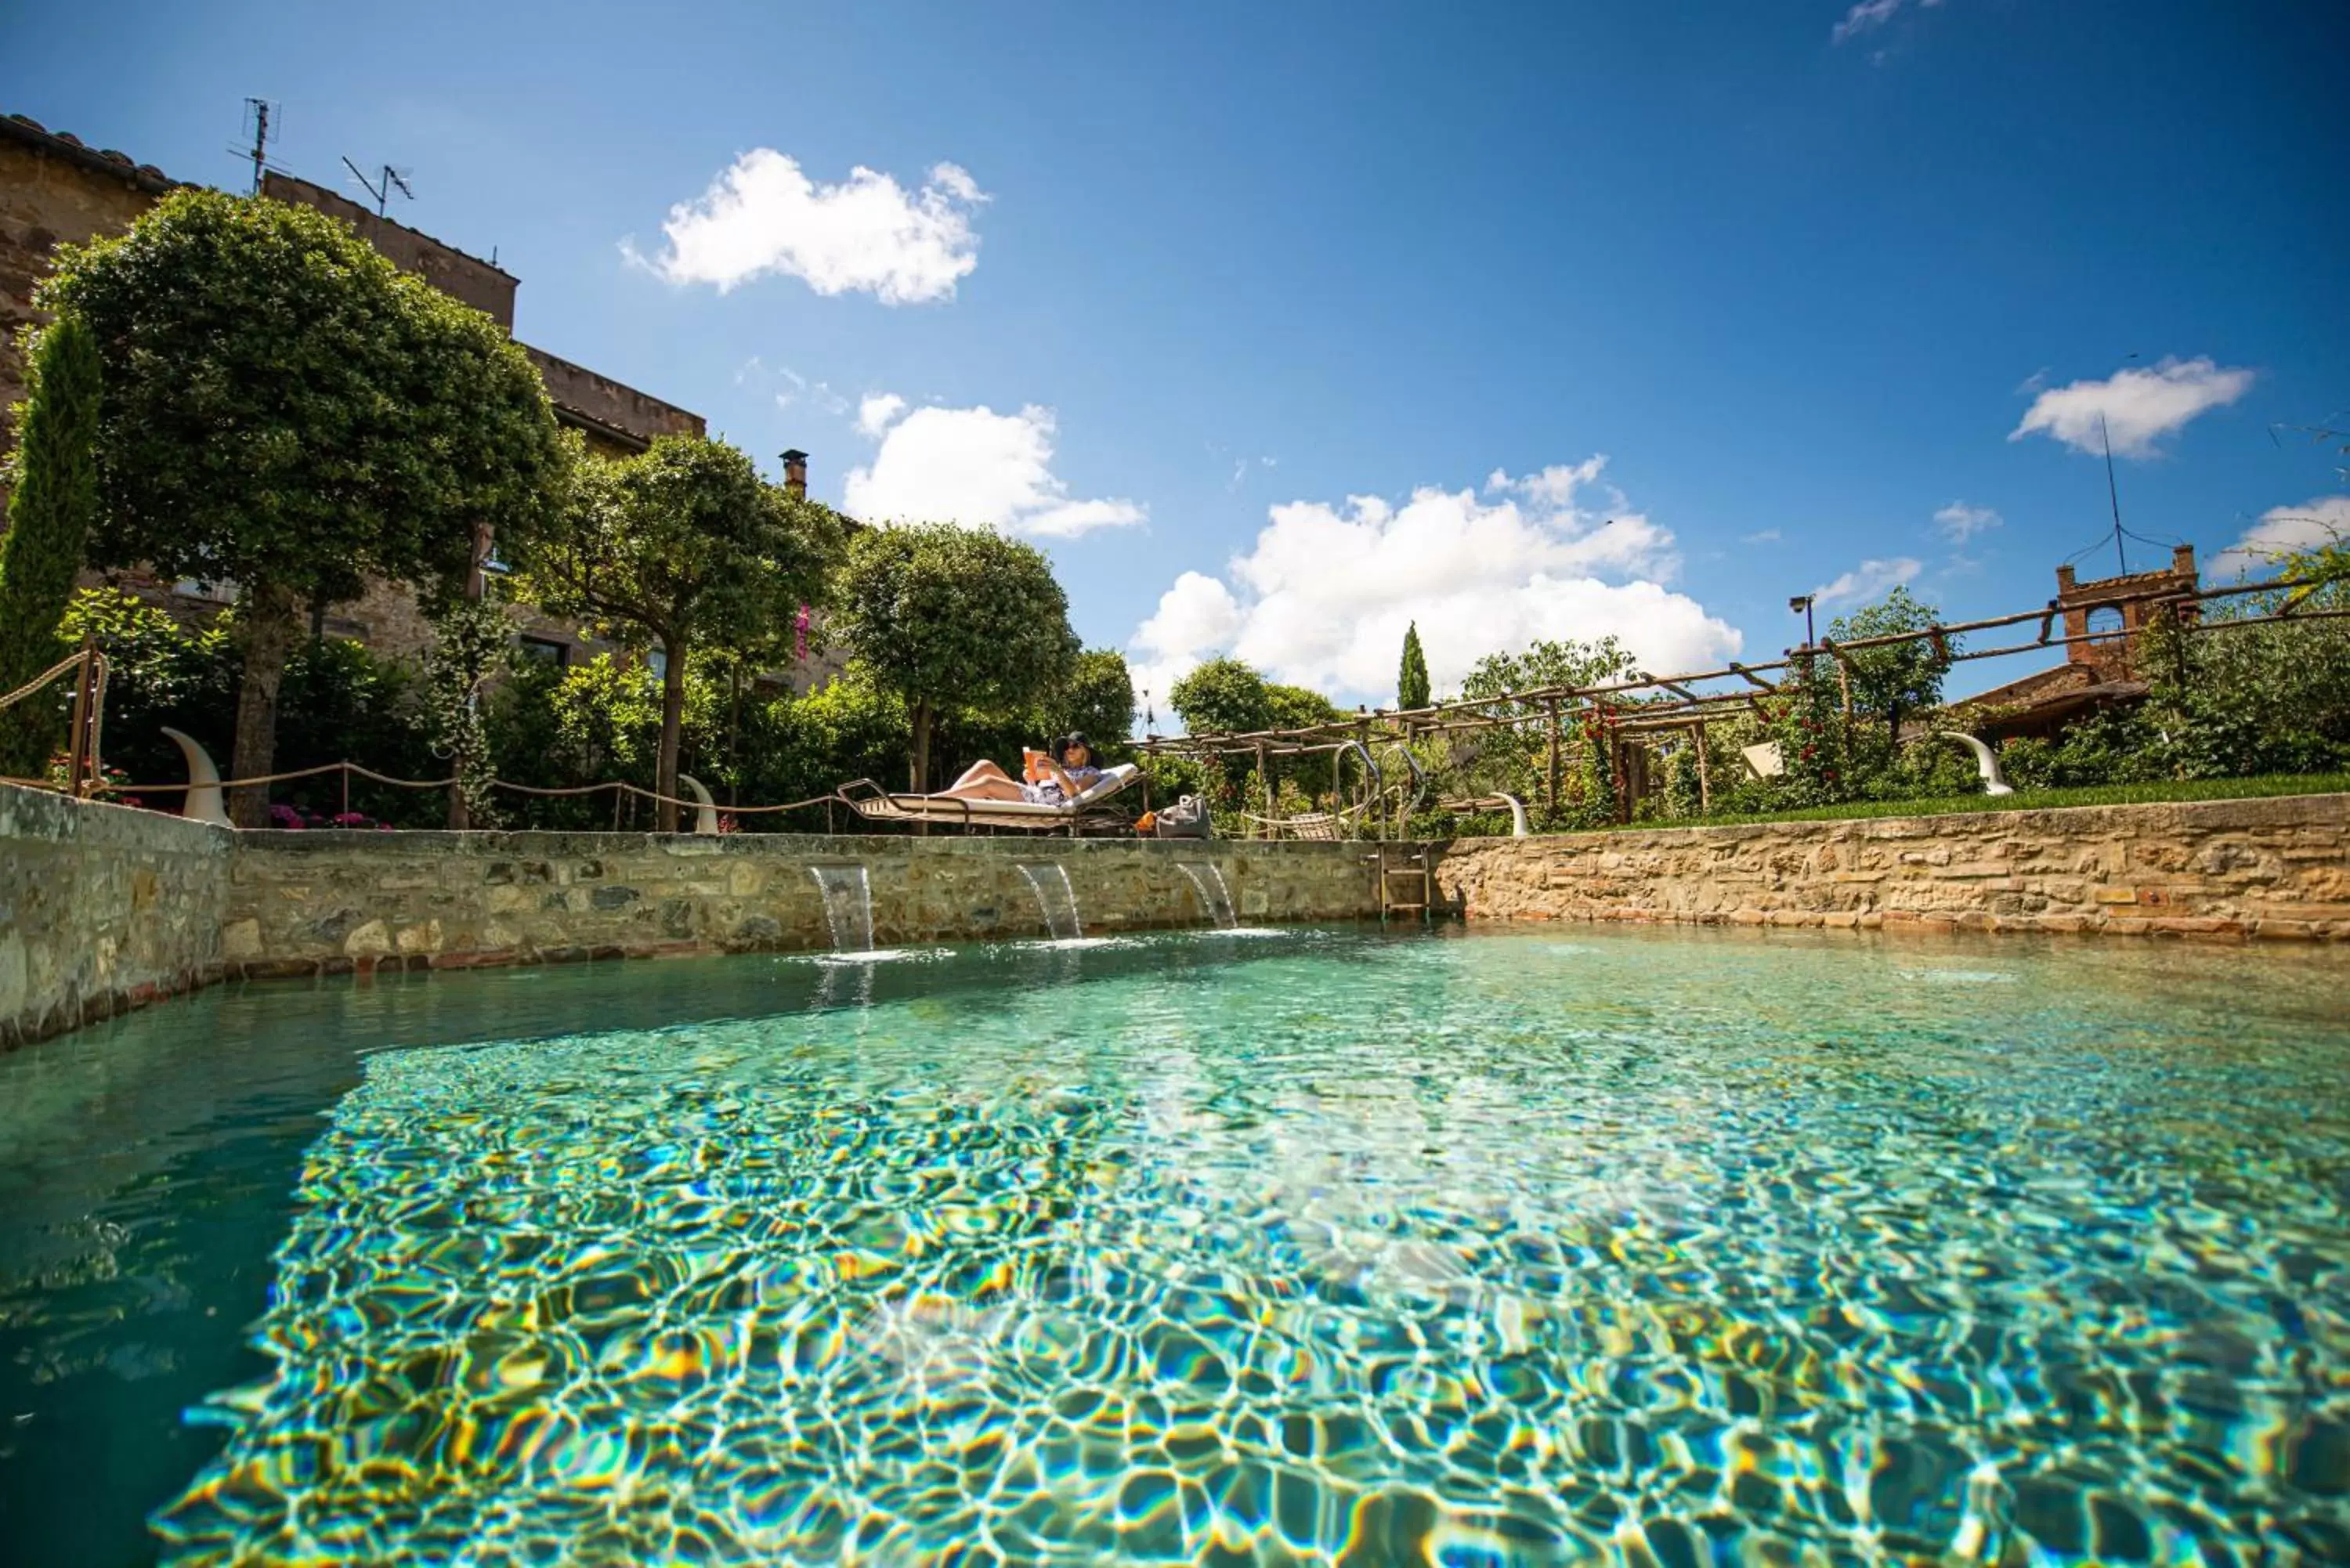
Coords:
921,758
270,623
672,728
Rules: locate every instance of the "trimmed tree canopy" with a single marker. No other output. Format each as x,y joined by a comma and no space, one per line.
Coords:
285,407
1222,696
49,516
287,411
687,548
953,619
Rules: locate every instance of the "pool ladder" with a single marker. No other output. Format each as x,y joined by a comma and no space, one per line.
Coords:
1418,880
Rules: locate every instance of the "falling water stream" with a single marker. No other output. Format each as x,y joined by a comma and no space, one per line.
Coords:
1057,899
848,906
1213,893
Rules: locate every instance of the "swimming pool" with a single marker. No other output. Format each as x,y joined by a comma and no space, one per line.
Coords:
1535,1245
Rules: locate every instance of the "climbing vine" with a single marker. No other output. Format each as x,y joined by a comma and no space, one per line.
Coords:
469,641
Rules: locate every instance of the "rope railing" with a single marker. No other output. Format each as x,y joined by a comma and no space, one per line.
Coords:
349,769
84,773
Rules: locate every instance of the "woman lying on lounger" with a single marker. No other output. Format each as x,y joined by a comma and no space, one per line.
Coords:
1054,777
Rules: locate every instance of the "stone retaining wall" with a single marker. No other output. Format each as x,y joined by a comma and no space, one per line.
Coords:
2224,870
327,902
102,908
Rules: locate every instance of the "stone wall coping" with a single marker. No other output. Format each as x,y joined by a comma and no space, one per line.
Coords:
44,815
841,846
2239,811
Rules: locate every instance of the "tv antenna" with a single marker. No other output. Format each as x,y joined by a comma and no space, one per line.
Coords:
2113,492
382,189
2114,497
258,113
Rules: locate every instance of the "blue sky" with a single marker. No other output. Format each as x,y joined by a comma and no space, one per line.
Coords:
1292,323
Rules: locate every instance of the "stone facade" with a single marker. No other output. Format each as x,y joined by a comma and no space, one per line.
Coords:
53,190
102,908
329,902
2222,870
484,286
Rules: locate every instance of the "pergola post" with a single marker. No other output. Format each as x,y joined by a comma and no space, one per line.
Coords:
1264,784
1704,780
1552,705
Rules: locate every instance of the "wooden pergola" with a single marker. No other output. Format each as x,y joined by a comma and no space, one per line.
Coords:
1655,708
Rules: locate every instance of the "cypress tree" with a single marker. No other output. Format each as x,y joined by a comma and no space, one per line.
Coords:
1411,681
49,516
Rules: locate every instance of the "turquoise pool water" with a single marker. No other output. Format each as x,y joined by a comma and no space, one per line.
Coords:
1673,1247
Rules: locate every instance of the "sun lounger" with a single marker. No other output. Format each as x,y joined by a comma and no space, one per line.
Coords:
873,803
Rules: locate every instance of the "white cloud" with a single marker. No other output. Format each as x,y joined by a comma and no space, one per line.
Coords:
1960,521
1323,596
2139,406
866,233
875,411
972,466
1760,537
2282,531
1868,581
1865,18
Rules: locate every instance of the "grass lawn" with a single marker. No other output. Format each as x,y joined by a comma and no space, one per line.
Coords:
2043,799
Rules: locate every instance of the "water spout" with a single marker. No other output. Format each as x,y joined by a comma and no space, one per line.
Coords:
1216,899
848,906
1056,898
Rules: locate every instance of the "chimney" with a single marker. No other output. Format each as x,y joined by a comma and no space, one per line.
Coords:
2182,560
796,475
2064,579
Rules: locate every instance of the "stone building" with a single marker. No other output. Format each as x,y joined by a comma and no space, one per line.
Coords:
2102,668
55,190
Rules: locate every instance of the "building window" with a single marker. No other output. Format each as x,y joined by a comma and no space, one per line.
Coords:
658,662
2104,624
547,650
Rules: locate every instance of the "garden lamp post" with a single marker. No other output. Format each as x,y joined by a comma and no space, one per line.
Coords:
1802,602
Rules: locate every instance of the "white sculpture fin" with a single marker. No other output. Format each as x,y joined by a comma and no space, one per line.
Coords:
203,802
705,819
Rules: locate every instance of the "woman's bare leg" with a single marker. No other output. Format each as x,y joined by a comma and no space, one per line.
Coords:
984,781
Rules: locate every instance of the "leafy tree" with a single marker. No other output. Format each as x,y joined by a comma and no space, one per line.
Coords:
686,547
953,619
159,673
287,411
850,728
337,701
1222,696
1901,680
1565,662
1411,680
49,516
1518,760
1298,707
1097,699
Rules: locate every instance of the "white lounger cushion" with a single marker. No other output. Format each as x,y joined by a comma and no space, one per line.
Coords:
953,808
